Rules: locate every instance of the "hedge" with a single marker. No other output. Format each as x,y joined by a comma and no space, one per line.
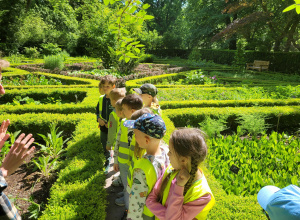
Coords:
289,116
279,61
70,81
228,103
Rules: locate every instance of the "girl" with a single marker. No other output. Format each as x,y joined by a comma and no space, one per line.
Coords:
182,192
148,93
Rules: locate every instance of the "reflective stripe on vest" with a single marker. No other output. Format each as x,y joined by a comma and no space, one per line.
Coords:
100,104
147,167
124,156
198,189
133,158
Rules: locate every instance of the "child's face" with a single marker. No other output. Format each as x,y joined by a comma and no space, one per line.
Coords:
175,159
107,87
147,99
119,113
101,90
127,111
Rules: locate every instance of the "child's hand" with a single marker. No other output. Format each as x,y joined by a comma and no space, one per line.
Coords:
101,122
182,177
108,147
116,167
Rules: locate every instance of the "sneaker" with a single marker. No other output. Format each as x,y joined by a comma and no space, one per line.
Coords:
116,176
117,182
120,201
120,194
107,166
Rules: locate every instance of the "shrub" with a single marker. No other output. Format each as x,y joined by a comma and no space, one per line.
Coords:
64,54
213,127
31,52
50,49
54,61
147,58
252,124
195,55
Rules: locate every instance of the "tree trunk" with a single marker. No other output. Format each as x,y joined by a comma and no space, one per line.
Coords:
290,34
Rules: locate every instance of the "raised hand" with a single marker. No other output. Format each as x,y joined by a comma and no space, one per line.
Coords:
182,177
17,154
3,130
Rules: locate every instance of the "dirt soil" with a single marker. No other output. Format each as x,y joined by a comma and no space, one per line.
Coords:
24,184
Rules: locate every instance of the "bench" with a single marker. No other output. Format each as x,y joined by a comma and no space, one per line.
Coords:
258,65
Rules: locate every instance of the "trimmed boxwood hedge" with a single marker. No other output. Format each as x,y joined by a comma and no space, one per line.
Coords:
289,116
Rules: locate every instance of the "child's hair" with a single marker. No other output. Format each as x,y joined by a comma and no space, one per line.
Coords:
107,78
187,142
133,101
139,152
119,104
117,93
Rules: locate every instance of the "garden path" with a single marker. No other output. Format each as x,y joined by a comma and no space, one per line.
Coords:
113,212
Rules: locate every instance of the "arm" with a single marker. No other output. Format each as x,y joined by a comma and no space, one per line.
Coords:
156,207
138,195
177,210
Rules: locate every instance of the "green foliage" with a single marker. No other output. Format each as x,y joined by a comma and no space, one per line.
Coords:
239,56
30,79
269,160
54,142
46,165
195,55
50,49
147,58
213,127
54,61
252,125
6,148
294,6
32,52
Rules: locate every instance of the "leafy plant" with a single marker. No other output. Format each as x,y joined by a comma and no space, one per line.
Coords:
45,165
54,142
269,160
54,61
32,52
213,127
5,149
252,124
50,49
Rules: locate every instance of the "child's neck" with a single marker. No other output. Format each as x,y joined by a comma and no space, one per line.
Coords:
198,175
154,149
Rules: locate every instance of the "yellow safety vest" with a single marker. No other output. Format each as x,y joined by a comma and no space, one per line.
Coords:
198,189
100,106
145,165
114,114
124,155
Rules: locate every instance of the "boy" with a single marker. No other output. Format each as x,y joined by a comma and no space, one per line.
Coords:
114,95
130,104
149,129
103,110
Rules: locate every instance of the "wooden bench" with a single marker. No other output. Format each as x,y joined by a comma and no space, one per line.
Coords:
258,65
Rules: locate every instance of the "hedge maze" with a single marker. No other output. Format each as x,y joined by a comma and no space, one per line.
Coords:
78,192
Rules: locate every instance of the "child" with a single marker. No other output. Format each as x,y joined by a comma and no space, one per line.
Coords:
130,104
119,112
182,192
149,130
148,93
114,95
103,110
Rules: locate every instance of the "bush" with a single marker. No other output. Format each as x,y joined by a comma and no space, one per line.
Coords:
54,61
213,127
31,52
64,54
195,55
147,58
252,124
50,49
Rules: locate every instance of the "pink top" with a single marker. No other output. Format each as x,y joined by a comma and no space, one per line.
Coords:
174,208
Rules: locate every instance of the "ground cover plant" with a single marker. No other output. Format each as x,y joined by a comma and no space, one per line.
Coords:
224,93
30,79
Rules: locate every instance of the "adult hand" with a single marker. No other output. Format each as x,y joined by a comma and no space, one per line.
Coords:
3,135
2,91
116,167
182,177
17,154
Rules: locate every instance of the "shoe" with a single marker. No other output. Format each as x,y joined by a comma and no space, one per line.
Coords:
120,194
116,176
120,201
107,166
117,182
